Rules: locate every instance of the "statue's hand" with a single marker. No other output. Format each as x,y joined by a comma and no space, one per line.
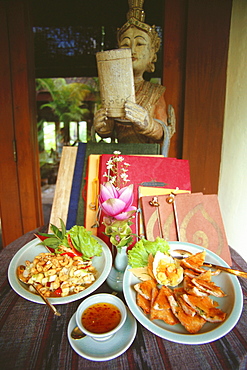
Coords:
100,121
137,115
143,123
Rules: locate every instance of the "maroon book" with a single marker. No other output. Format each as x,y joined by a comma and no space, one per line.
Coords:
193,218
148,171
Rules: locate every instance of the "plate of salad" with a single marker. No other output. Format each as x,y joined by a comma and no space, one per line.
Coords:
66,265
178,321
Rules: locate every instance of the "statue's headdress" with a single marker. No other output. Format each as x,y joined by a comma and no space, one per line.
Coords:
136,17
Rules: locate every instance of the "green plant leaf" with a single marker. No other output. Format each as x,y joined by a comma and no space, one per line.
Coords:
84,242
63,228
56,232
51,242
138,255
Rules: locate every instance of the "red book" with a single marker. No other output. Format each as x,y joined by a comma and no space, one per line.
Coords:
196,218
149,171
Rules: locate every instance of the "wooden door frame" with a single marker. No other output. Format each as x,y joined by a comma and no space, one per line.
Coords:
20,191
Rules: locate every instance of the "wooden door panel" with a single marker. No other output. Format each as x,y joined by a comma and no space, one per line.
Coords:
9,190
20,194
205,86
24,115
174,56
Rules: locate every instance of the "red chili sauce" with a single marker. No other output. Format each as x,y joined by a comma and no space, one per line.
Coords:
101,317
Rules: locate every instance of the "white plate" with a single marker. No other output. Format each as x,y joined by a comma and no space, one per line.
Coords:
102,264
232,304
109,349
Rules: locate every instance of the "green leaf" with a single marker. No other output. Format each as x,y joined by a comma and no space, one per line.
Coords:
51,242
63,228
45,234
84,242
138,255
56,232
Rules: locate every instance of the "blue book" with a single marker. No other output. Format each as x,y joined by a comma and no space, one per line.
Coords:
76,186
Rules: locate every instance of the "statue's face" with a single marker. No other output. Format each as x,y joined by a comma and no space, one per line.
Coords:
140,44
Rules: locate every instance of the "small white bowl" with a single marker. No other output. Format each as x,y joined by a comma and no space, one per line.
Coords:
101,298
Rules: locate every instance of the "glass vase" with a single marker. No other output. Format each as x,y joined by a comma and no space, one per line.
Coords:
115,278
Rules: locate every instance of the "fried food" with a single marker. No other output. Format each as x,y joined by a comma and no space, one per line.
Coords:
208,287
191,324
144,303
178,292
205,307
188,304
197,259
145,288
190,288
194,262
161,309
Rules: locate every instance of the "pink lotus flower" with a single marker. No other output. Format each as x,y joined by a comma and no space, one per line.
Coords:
116,203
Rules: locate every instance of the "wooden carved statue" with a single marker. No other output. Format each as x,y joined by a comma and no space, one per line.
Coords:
147,120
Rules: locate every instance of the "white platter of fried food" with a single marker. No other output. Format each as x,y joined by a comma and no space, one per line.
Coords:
66,274
182,301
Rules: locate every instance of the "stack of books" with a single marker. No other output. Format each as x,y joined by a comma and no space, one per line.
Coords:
162,194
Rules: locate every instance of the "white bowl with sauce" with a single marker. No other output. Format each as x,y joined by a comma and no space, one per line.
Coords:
101,315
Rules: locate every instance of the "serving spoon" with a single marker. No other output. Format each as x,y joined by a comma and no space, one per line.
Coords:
77,333
183,254
52,308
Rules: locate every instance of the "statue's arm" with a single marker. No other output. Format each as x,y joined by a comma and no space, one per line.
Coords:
160,110
146,123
